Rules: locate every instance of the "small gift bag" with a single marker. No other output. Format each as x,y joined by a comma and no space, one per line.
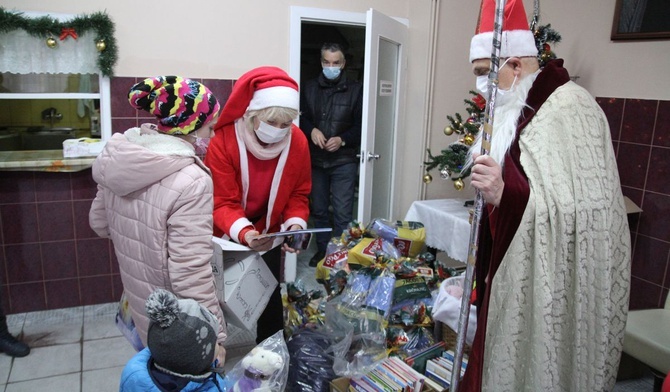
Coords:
126,325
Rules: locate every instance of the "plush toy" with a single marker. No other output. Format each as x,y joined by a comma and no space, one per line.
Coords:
259,366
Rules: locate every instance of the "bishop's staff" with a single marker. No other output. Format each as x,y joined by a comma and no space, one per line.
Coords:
479,199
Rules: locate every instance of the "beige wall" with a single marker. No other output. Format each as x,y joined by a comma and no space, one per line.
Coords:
605,68
224,38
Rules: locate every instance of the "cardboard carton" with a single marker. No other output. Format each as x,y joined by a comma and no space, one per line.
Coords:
243,282
83,147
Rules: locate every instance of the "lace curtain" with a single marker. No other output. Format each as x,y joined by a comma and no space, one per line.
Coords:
23,54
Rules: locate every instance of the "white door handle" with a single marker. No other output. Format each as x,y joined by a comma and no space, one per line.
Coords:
372,156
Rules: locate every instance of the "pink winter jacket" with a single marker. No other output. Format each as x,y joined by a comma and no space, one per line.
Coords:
154,201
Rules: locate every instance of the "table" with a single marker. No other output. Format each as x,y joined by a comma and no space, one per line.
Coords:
447,223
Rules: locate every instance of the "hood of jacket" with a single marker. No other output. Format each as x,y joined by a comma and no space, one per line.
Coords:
141,157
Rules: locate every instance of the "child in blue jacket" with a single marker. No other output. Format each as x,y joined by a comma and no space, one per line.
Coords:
181,348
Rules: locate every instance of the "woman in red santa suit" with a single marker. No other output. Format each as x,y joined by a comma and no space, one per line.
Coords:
261,171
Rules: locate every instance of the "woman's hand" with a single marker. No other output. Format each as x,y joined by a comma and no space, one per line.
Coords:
487,178
285,246
258,244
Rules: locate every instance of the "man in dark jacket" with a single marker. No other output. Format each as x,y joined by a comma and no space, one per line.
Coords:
331,108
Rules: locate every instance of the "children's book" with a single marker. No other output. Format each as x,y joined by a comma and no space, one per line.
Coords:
418,360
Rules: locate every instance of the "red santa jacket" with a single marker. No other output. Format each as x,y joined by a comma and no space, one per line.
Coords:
289,195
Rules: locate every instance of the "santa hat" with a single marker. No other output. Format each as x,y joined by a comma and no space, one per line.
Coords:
517,40
260,88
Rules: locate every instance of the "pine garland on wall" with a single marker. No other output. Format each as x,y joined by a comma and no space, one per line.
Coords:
51,29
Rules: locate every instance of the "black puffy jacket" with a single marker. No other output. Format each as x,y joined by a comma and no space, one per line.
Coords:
335,108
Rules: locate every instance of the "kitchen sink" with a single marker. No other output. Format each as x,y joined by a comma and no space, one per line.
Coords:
40,138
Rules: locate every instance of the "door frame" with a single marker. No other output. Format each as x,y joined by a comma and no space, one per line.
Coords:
301,14
307,14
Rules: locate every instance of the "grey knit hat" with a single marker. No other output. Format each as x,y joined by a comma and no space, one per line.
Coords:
182,335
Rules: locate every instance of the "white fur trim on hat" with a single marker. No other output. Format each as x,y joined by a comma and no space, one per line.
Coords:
282,96
515,43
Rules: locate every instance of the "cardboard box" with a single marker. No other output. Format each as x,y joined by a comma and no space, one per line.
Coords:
83,147
243,282
340,384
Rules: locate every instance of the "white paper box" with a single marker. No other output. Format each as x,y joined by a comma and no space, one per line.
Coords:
243,282
82,147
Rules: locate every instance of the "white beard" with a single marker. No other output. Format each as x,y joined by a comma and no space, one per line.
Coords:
505,118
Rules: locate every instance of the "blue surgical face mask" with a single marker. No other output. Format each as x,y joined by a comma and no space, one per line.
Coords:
331,72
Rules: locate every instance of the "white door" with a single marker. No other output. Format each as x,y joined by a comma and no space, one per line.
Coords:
382,102
383,95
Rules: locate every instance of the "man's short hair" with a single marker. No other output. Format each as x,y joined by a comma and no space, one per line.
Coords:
331,47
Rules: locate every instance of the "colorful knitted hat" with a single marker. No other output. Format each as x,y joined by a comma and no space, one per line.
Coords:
517,40
182,335
260,88
181,105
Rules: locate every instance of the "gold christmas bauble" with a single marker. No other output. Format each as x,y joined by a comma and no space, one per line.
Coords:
100,45
458,184
427,178
448,130
51,42
468,139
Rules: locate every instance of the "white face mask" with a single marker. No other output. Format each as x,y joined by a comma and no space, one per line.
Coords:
201,144
505,96
269,134
482,85
502,96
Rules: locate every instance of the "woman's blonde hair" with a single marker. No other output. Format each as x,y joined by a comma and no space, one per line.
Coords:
276,113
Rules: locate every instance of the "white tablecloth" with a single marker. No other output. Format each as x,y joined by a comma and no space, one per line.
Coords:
447,224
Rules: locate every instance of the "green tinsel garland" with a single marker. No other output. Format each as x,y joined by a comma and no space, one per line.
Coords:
46,26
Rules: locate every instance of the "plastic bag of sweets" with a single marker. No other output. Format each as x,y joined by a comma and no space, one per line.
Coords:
368,250
335,260
407,236
412,302
380,294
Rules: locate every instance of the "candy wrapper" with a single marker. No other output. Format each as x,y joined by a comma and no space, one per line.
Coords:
412,302
407,236
301,307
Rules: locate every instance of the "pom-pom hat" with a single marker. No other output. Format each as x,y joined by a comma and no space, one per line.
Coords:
517,40
182,335
260,88
181,105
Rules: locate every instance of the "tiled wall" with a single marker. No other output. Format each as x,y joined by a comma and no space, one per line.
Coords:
49,256
641,135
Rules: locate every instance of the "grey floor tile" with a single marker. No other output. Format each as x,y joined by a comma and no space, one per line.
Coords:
100,327
52,332
55,316
5,365
47,361
107,353
645,384
101,309
64,383
101,380
15,323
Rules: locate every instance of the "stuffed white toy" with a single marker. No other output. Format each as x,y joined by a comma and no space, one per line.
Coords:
259,367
